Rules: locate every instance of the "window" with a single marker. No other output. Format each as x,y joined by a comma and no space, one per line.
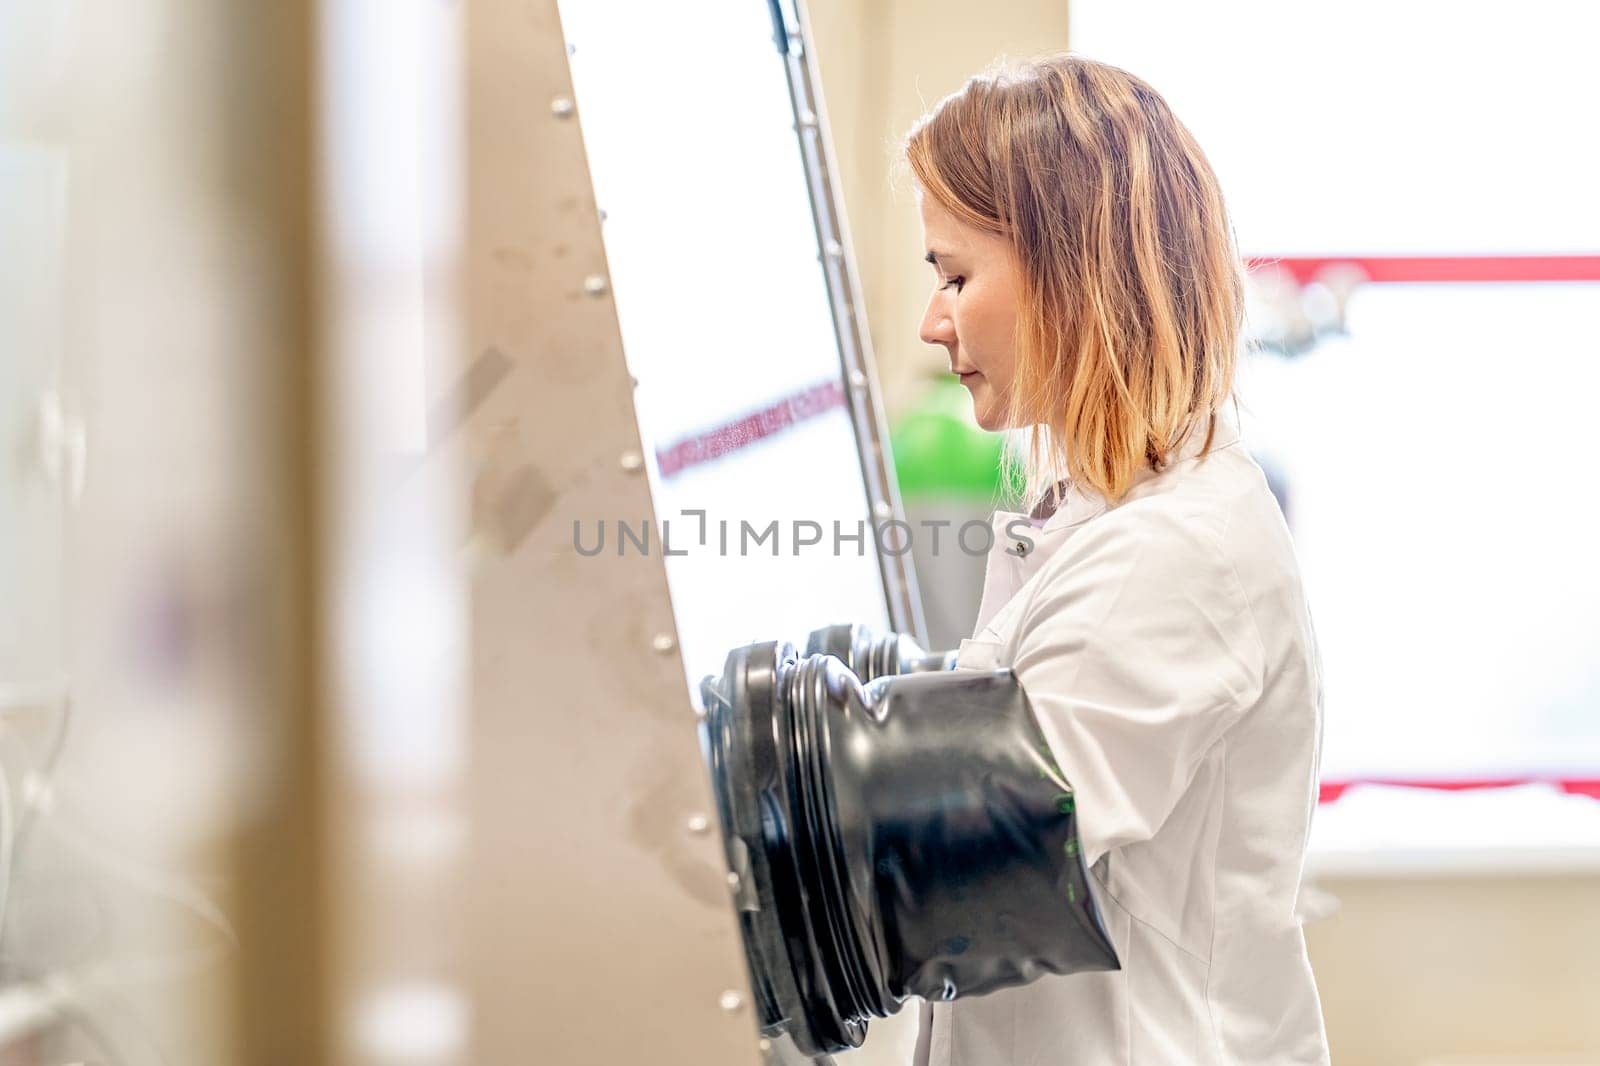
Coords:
723,305
1413,187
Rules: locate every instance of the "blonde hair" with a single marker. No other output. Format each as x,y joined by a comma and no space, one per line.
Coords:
1132,292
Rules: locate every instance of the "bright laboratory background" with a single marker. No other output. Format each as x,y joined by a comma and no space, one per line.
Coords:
213,545
1429,433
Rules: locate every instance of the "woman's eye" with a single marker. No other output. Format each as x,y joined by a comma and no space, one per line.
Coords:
957,281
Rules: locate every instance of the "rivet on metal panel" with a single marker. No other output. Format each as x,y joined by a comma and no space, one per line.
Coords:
632,462
808,119
562,107
595,285
663,643
698,824
730,1001
733,882
882,511
858,380
833,248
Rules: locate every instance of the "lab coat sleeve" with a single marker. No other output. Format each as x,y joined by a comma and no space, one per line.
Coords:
1138,651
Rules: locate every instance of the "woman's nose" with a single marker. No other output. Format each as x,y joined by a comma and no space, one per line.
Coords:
936,325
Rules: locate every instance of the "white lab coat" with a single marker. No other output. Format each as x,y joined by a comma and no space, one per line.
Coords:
1166,647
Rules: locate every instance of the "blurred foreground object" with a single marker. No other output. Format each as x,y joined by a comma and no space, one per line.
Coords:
159,862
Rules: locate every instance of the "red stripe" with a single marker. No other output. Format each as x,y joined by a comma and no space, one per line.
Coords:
1440,268
1576,786
704,447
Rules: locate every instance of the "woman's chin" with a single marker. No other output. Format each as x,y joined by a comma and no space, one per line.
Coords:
992,419
984,414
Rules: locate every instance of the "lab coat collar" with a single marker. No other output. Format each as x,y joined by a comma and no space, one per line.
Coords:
1081,503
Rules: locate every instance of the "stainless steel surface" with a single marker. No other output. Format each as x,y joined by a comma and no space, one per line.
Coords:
601,931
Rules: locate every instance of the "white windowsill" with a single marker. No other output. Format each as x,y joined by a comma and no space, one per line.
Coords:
1379,831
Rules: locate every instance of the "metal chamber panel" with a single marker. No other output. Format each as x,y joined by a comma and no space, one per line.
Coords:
674,350
601,925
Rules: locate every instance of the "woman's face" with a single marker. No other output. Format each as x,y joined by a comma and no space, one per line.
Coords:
973,309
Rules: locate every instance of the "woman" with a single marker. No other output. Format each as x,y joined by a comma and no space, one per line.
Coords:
1088,291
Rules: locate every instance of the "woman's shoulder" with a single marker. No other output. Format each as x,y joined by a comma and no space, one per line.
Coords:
1157,571
1198,498
1212,519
